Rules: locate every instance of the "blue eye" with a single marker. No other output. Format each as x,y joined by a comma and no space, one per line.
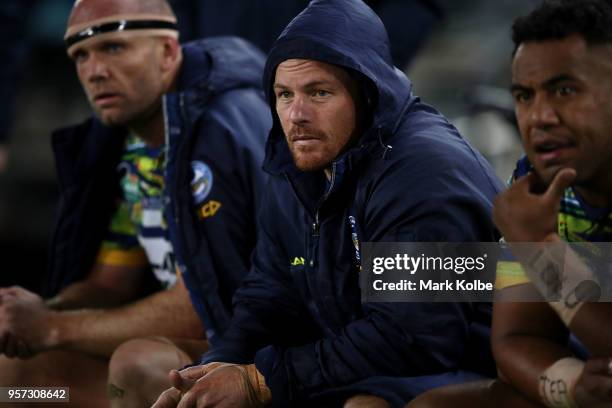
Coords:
113,48
566,90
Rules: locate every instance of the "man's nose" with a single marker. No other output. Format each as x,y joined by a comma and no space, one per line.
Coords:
300,111
95,68
543,112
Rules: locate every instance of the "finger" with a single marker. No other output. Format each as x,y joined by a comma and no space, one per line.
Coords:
563,179
536,184
598,366
179,381
193,373
599,386
168,399
522,183
196,372
189,400
175,379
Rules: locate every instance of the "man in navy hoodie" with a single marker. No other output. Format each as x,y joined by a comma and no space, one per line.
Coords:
352,153
165,178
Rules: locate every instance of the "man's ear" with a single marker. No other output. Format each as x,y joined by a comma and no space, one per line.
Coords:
171,54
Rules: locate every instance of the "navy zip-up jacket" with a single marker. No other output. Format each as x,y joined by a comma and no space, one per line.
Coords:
217,117
410,177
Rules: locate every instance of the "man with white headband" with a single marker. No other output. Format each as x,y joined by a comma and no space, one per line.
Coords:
165,178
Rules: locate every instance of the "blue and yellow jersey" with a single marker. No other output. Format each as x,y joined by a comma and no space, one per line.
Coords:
577,222
138,233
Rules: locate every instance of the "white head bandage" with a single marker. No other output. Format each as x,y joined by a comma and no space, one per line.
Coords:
139,24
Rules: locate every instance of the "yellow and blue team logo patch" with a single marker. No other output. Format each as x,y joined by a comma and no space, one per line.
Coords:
202,181
209,209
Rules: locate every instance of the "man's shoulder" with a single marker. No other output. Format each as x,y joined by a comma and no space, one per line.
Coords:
220,82
90,126
244,100
237,118
213,66
427,149
73,133
72,141
425,130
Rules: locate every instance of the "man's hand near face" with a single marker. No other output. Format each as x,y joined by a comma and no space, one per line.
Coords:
524,215
215,385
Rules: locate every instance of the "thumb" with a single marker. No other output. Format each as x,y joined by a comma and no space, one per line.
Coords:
601,366
179,382
523,182
196,372
563,179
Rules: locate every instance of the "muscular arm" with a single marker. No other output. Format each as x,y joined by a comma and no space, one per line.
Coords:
575,305
592,326
106,286
25,317
98,332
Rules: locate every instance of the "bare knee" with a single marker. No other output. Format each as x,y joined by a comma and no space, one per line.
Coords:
125,363
135,360
366,401
138,370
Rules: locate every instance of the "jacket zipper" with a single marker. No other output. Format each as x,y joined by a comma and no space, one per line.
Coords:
316,225
179,173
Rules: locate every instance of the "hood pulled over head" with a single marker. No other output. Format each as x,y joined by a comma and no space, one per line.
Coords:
346,33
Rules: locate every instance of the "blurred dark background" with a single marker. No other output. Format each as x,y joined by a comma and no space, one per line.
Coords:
462,67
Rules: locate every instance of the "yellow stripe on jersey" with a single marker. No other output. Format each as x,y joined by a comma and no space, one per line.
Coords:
135,257
509,274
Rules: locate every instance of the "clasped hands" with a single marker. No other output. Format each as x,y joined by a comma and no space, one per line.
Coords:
216,385
26,323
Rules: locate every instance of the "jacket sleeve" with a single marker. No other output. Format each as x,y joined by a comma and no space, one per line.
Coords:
267,307
216,227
